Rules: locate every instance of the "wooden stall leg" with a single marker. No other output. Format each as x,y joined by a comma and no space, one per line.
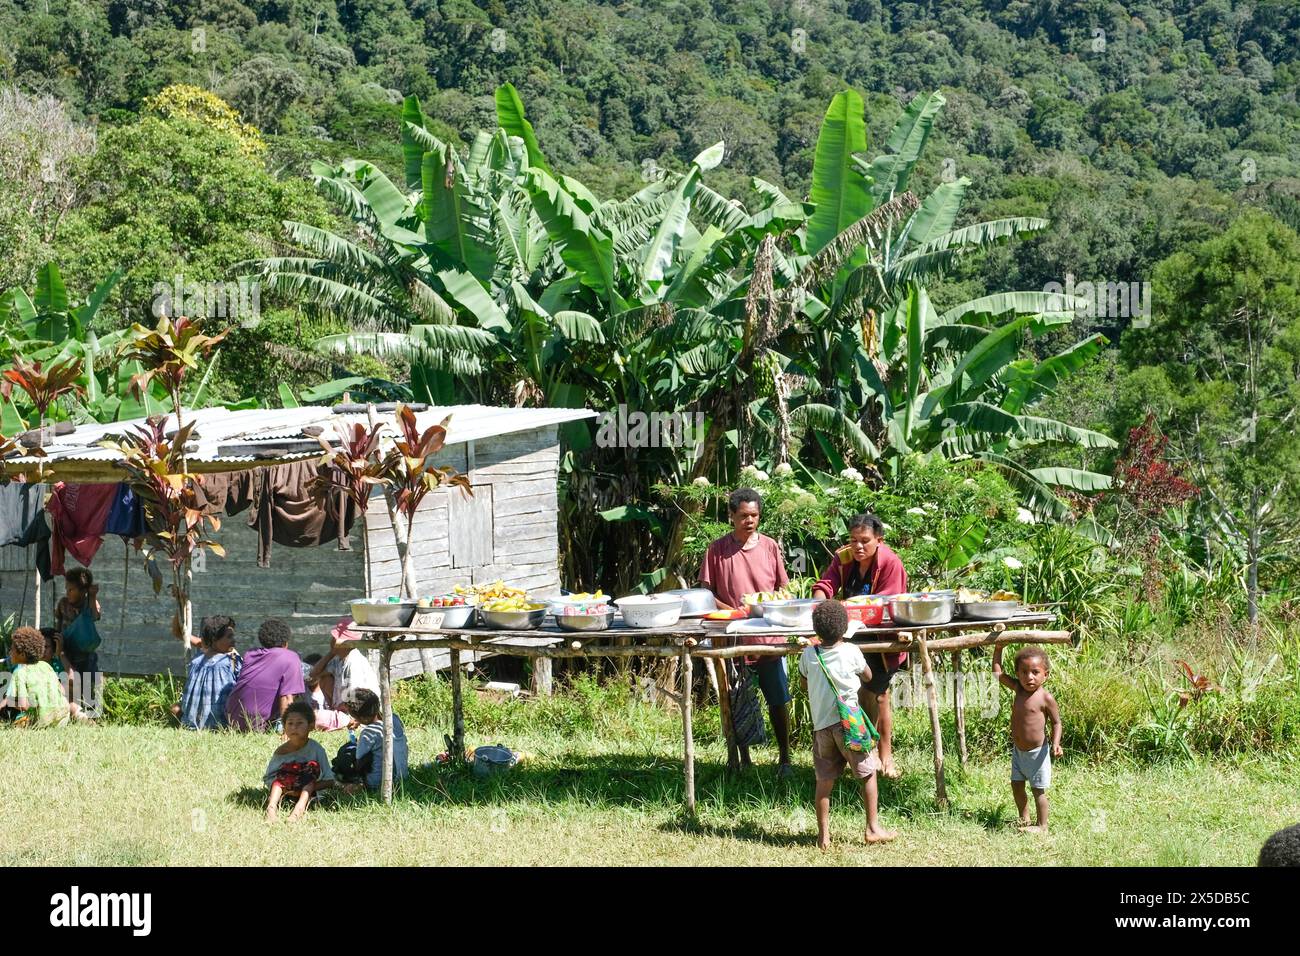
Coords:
688,731
542,677
386,704
959,705
932,701
457,710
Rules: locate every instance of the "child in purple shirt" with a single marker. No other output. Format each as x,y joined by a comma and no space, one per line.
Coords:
270,678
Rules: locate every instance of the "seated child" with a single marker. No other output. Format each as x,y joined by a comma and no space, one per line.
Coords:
326,718
54,655
850,675
34,690
299,767
1031,758
369,758
212,674
345,669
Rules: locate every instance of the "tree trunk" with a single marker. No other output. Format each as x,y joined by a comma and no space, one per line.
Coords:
703,465
1252,561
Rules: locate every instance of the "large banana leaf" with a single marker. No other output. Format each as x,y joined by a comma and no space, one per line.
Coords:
412,151
1041,303
1026,387
457,219
510,116
891,172
839,191
937,214
834,423
663,247
584,248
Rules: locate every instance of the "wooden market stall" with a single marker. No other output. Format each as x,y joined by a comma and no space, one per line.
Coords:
508,529
684,642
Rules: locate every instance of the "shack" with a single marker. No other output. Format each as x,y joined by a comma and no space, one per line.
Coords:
507,530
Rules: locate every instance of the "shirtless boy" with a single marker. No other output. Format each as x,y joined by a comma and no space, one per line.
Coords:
1031,760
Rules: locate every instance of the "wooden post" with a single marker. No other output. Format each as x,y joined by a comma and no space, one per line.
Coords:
386,706
542,677
688,730
724,706
932,701
959,705
37,575
457,710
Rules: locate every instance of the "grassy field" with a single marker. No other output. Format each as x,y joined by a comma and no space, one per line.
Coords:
121,795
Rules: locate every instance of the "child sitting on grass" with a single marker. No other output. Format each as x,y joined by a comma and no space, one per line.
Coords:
211,676
34,691
850,675
1031,757
299,767
369,766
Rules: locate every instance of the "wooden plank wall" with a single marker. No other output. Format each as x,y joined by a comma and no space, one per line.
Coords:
309,588
517,473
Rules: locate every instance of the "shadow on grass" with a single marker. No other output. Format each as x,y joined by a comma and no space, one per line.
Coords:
647,782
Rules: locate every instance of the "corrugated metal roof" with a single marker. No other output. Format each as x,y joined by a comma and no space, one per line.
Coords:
216,427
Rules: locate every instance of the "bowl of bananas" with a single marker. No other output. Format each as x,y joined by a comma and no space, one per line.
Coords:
983,606
512,613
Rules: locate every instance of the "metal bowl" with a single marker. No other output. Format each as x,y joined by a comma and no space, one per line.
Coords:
513,620
696,601
378,613
585,622
987,610
796,613
453,616
911,610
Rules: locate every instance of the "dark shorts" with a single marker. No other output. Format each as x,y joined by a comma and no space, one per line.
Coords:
880,675
773,681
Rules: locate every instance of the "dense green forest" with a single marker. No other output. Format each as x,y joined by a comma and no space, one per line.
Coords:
1160,142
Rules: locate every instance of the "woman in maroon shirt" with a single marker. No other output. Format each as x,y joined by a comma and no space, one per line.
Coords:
866,565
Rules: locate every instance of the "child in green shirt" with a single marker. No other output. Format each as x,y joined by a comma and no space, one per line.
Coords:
34,689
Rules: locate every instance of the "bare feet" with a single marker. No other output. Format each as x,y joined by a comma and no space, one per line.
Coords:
1033,829
270,814
784,771
878,834
823,843
1022,823
888,769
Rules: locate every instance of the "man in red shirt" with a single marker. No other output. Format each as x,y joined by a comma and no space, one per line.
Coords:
745,562
866,565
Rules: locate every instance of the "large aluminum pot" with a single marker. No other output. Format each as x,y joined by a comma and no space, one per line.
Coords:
922,610
796,613
696,601
585,622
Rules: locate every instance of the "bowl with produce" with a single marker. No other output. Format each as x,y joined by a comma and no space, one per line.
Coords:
446,610
870,611
984,606
650,610
579,599
922,608
795,613
512,613
754,602
591,616
383,612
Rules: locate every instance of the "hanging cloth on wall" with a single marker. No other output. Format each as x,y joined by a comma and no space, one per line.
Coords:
125,516
23,524
79,513
285,512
